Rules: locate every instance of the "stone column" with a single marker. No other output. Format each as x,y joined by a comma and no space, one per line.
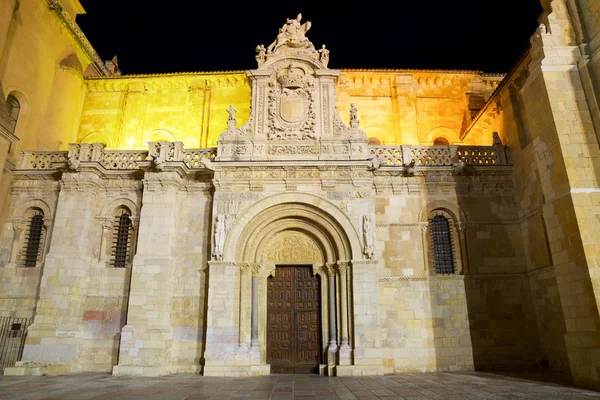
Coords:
146,339
61,119
332,348
345,351
254,340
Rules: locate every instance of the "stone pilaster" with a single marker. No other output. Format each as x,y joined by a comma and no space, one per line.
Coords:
54,340
568,160
146,339
367,355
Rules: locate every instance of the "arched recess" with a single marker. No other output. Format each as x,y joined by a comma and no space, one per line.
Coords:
109,214
456,219
158,135
20,124
97,137
318,218
442,132
20,219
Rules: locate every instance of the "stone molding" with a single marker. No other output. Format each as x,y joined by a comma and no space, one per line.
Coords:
78,35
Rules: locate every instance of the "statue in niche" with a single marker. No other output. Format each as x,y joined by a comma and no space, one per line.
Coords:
261,54
496,141
292,34
368,237
219,237
324,56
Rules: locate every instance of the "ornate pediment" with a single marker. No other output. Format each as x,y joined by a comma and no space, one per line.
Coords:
293,114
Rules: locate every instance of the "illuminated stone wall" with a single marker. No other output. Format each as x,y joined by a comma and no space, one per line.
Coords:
410,107
547,112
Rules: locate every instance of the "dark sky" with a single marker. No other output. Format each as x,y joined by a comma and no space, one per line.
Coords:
152,36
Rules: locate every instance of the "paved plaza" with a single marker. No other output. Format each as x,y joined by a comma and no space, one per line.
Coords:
447,386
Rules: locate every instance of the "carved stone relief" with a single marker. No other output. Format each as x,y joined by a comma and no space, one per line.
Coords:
293,247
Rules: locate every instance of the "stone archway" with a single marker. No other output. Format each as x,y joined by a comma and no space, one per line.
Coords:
286,229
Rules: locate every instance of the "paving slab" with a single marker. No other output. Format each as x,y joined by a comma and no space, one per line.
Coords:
413,386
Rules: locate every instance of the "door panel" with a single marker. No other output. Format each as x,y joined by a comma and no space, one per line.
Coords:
293,316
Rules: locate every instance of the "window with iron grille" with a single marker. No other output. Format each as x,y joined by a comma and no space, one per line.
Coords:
14,108
441,236
33,241
122,240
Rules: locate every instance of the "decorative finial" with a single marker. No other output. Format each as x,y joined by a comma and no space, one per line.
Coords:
261,54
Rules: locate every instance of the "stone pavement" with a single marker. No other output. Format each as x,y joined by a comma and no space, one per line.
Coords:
447,386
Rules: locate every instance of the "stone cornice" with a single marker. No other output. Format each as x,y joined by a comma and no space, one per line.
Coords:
80,39
192,81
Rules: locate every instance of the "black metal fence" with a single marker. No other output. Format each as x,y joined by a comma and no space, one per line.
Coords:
13,332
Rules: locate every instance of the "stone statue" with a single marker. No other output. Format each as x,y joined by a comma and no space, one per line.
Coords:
231,110
219,237
368,237
231,121
496,141
292,34
324,55
353,116
261,54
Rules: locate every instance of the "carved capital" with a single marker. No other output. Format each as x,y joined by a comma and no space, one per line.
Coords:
342,267
424,226
250,268
19,224
107,222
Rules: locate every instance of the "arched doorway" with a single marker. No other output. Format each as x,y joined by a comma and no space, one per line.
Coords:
293,252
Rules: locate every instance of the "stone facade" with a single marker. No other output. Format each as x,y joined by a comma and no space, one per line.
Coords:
291,164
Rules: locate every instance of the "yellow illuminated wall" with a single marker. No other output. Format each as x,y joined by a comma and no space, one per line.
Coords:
395,107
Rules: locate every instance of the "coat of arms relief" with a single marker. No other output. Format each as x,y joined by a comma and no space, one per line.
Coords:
293,110
292,104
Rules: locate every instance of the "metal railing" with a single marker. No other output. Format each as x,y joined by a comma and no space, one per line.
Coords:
13,332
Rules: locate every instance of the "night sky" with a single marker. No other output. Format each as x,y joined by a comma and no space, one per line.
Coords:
152,36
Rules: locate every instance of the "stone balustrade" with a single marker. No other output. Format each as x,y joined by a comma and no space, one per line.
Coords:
115,159
439,156
394,156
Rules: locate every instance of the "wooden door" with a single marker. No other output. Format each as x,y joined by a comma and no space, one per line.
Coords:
294,320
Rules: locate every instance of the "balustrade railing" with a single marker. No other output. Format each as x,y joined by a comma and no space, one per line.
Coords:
439,156
393,156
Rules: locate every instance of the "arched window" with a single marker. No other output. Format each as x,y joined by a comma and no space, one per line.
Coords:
14,108
33,240
122,240
441,237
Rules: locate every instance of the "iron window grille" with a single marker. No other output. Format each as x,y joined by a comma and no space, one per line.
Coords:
443,256
122,240
33,241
